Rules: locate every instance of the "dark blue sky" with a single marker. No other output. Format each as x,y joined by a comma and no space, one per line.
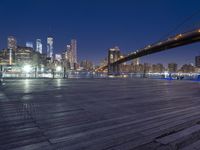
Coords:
100,24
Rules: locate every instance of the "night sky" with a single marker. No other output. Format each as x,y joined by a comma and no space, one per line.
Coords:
100,24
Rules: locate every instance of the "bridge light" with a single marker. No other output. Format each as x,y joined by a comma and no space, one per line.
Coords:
199,30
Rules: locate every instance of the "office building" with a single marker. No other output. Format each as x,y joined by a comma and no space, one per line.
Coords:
158,68
172,67
86,65
29,44
74,50
39,46
58,57
71,54
187,68
50,47
12,43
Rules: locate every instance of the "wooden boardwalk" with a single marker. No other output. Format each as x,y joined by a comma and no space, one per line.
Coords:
99,114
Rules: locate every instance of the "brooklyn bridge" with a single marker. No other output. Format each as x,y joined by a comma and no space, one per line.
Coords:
181,39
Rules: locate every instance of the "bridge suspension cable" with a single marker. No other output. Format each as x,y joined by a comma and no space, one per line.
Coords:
178,26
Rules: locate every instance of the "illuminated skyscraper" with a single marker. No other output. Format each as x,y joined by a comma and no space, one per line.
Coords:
71,54
68,53
74,50
29,44
58,57
12,43
39,46
50,47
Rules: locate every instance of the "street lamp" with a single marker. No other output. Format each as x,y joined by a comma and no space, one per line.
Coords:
58,68
27,68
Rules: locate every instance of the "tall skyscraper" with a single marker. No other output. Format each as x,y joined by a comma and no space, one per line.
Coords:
50,47
39,46
74,50
68,53
71,54
29,44
12,43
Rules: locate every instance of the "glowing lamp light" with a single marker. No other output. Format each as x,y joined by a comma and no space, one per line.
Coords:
27,68
166,74
58,68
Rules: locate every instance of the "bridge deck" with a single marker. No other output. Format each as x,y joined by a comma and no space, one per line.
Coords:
120,114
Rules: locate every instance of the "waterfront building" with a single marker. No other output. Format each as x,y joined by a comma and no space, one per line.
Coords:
158,68
12,43
187,68
4,57
172,67
197,61
29,44
86,65
147,68
58,57
39,46
23,55
74,50
50,47
71,54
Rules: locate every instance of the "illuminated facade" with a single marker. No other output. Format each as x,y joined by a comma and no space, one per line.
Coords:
74,51
68,53
86,65
39,46
12,43
29,44
23,55
71,54
50,47
58,57
172,67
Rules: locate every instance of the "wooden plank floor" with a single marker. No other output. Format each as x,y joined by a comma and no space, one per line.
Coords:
99,114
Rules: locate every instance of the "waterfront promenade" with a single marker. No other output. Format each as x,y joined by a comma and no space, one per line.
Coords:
99,114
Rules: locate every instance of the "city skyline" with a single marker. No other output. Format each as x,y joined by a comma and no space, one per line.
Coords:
88,22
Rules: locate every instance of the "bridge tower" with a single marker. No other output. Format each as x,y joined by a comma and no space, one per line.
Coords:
113,55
